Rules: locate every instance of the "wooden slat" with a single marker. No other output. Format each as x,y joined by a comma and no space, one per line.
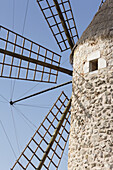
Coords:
23,46
60,19
43,135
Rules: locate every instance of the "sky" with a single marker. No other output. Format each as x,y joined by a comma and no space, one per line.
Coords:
35,109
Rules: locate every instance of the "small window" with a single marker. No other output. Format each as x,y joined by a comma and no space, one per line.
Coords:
93,65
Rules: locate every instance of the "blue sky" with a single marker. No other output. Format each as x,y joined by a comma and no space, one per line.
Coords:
37,30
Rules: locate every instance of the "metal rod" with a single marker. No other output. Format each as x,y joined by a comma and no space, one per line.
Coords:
64,24
55,134
43,91
63,70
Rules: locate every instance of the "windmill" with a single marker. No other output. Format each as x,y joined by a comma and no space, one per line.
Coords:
21,52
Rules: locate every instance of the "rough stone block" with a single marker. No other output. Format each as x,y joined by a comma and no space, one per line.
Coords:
86,67
93,56
91,137
101,63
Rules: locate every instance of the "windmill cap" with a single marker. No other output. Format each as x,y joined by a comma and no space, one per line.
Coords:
101,25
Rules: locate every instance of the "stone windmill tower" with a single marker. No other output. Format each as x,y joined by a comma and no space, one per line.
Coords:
91,133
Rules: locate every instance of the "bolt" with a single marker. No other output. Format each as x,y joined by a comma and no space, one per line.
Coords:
11,103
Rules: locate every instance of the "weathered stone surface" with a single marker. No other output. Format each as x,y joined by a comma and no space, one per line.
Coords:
91,131
101,25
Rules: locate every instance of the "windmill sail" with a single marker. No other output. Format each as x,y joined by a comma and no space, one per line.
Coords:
59,17
33,153
11,67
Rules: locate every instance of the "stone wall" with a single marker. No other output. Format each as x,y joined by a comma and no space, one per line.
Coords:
91,131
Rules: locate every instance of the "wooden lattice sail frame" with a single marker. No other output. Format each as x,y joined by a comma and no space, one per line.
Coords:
60,19
34,62
53,134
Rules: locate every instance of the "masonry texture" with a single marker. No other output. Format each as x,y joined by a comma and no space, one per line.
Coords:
91,131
